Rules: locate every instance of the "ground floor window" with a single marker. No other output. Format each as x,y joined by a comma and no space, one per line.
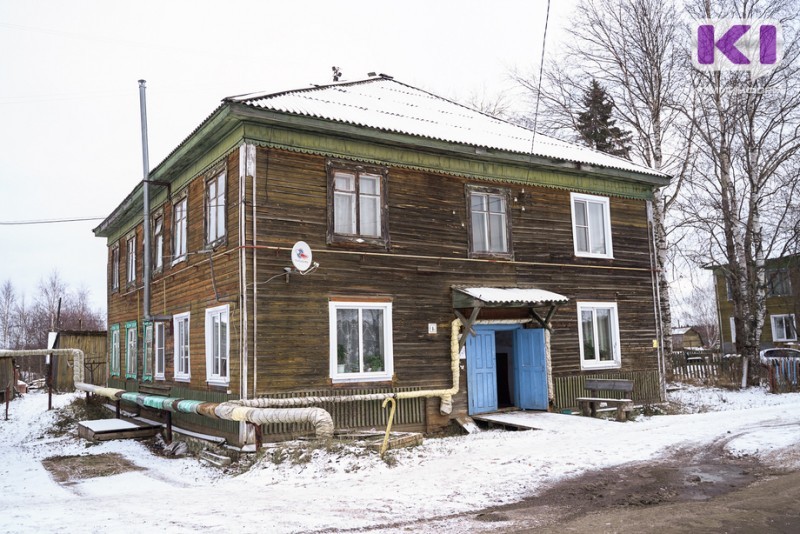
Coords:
158,341
181,329
217,345
147,361
598,333
130,349
361,341
783,327
114,353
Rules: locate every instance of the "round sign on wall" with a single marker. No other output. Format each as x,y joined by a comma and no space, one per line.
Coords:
301,256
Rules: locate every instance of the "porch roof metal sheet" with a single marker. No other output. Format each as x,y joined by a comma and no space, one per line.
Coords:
511,295
386,104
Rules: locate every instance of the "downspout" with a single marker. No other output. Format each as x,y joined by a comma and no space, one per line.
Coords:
146,201
243,371
251,167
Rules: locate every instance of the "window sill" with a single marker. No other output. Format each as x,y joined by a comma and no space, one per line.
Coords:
183,379
355,241
342,379
218,383
595,366
178,260
593,256
491,256
160,377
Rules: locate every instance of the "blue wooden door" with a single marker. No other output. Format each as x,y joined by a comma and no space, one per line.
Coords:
481,372
530,369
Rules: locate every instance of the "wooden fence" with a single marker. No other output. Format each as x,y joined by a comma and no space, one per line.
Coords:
704,367
646,387
782,375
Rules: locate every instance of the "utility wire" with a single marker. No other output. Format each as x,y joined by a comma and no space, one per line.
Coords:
541,69
50,221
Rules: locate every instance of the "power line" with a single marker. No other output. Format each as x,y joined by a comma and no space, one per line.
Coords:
50,221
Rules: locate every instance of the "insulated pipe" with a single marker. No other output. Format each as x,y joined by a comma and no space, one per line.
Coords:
446,395
77,358
319,418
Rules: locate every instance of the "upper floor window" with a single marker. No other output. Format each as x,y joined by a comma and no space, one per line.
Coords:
357,204
361,341
778,283
158,242
591,226
217,345
115,267
489,222
783,327
215,208
598,333
179,230
131,259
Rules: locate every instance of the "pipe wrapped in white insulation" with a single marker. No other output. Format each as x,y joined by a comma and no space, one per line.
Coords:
77,358
446,395
319,418
263,402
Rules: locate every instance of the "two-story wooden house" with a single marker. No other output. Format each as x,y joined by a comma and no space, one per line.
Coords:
419,212
783,303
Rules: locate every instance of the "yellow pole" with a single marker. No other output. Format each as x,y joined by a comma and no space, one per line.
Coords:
385,445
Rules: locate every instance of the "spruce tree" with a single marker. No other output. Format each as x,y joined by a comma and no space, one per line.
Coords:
596,127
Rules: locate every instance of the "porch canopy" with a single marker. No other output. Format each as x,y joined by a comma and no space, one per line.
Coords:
505,297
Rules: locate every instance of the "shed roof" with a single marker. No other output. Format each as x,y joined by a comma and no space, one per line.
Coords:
386,104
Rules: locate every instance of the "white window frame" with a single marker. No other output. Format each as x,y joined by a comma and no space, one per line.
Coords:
388,356
158,242
115,267
159,353
182,374
131,349
180,230
213,351
606,205
130,262
114,356
486,218
147,352
215,209
595,362
779,331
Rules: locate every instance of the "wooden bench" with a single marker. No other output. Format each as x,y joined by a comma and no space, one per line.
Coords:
588,405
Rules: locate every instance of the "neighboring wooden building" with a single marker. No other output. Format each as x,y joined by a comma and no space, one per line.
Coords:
418,211
686,337
93,344
783,304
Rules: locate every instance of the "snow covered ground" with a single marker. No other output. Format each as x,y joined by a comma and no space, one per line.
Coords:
345,488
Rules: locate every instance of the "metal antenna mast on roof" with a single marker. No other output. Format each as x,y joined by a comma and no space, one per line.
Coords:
146,197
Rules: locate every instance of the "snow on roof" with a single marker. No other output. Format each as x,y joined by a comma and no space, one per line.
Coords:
386,104
503,295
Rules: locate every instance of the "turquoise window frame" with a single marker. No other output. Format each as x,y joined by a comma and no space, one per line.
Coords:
131,325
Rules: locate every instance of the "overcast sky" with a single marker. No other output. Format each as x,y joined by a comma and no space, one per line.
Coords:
69,99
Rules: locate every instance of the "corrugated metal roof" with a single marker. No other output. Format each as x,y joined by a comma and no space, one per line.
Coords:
386,104
508,295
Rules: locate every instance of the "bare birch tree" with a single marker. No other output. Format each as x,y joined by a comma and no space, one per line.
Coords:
8,300
748,138
633,48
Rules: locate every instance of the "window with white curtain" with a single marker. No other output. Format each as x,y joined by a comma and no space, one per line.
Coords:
591,226
598,333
